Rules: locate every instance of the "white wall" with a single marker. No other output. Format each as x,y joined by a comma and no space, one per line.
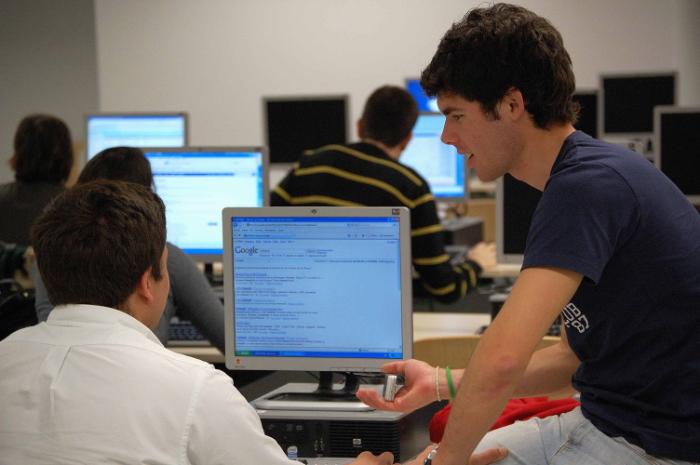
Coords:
47,65
686,33
216,59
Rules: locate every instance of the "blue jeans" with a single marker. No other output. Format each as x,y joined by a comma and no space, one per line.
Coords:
568,439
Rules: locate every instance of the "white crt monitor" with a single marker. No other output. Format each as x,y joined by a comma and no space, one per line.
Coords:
196,183
515,204
437,162
317,288
677,147
106,130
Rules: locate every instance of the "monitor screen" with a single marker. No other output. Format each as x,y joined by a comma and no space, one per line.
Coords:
438,163
588,113
677,135
317,288
296,124
135,130
424,102
197,183
627,102
515,204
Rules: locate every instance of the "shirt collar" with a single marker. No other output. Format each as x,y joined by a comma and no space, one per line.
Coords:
95,314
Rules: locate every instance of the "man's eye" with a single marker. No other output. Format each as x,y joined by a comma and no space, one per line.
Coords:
457,117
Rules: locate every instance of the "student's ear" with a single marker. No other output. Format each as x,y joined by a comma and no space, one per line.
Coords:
360,129
406,140
512,105
144,287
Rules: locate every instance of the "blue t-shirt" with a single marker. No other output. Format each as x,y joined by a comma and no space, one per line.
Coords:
634,322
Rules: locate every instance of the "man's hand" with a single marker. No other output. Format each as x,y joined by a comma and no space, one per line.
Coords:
484,254
367,458
418,391
482,458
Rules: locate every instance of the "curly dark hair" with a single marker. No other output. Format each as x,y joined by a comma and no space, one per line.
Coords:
492,50
43,150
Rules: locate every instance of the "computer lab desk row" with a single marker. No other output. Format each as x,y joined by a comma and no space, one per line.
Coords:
425,326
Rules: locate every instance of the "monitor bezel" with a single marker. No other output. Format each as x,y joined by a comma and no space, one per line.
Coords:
602,134
300,98
135,114
659,111
208,257
320,363
446,199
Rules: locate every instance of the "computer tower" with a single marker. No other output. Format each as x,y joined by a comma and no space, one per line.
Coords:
318,433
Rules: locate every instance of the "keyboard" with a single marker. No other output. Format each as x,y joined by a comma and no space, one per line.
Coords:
184,333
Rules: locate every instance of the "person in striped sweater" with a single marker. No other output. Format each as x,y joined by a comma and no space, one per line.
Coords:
369,173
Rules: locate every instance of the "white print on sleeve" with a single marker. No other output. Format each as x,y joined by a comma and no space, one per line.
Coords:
574,318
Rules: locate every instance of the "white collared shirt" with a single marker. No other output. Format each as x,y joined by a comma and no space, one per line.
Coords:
93,385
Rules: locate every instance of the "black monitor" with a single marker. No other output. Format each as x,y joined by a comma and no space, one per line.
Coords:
626,103
106,130
516,202
677,142
294,125
588,113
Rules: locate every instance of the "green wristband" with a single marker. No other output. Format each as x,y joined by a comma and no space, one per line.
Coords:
450,384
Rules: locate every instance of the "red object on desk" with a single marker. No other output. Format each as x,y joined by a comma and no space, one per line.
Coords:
515,410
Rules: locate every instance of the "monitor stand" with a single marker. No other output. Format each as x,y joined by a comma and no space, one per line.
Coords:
324,397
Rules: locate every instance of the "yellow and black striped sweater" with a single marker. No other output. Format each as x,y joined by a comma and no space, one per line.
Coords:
363,175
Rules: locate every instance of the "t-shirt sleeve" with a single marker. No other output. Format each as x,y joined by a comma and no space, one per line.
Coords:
584,215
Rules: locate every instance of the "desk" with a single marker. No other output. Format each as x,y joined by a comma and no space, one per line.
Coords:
425,326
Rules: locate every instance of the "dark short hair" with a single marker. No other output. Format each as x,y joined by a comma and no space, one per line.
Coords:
494,49
94,242
43,150
389,115
120,164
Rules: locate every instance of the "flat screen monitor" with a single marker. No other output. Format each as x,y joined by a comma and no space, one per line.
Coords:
107,130
626,103
424,102
588,113
294,125
677,143
437,162
317,288
196,183
516,202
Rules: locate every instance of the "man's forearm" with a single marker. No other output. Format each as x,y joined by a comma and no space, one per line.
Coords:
485,388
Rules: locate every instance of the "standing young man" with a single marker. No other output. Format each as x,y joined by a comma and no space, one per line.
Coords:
612,248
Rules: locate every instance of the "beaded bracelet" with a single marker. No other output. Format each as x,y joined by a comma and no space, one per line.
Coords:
437,383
